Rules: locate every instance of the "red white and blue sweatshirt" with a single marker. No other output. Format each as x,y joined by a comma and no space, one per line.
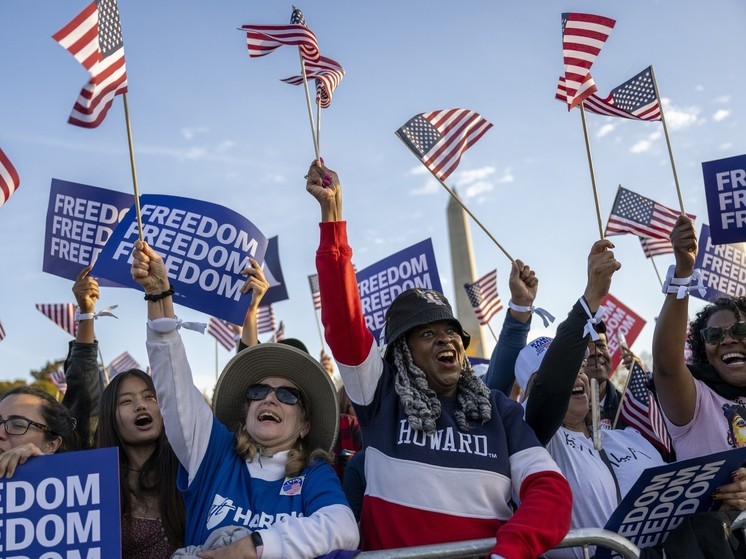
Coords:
449,486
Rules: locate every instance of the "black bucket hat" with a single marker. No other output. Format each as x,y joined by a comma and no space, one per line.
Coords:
416,307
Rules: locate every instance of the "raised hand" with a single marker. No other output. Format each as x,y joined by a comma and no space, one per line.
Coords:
684,241
601,267
148,269
523,284
85,290
323,184
255,282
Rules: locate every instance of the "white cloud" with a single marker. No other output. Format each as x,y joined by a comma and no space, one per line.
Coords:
604,130
680,117
430,187
725,146
419,170
723,99
644,145
506,177
699,87
472,175
720,114
274,177
191,132
224,146
477,188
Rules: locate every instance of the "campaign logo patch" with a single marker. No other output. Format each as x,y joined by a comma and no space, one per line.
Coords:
220,508
292,486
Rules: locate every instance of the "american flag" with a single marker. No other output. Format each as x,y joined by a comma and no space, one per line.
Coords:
59,380
439,138
583,36
265,320
640,216
2,332
9,180
484,298
313,281
640,410
124,362
222,332
280,332
327,73
605,106
94,38
63,315
655,247
263,39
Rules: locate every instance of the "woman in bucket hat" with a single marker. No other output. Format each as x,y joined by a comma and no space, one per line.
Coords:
444,455
270,477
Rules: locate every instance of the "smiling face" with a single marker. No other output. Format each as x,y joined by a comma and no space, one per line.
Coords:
275,425
579,403
599,360
138,417
437,349
28,406
729,356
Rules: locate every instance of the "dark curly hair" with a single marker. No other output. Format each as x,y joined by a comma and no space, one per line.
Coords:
735,304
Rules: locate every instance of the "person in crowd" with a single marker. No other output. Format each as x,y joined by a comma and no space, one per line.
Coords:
350,439
558,409
127,417
598,366
444,455
268,484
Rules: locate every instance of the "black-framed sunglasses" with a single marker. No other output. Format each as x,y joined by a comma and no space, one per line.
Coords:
715,334
285,394
19,425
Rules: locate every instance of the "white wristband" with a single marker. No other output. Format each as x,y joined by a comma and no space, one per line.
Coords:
682,287
593,319
168,324
91,316
545,315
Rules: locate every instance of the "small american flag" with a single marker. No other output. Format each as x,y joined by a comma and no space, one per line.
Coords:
265,320
9,180
640,410
484,298
222,332
640,216
439,138
63,315
2,332
583,36
59,380
263,39
327,73
94,38
124,362
280,332
313,281
655,247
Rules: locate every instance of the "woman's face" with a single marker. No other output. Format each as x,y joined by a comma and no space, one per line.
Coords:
138,417
728,357
579,400
271,423
438,350
20,407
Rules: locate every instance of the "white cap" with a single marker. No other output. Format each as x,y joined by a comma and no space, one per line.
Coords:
529,359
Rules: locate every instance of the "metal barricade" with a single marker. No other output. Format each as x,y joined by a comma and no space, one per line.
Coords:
474,549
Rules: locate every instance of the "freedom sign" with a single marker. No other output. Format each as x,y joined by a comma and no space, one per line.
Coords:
380,283
62,506
277,291
725,189
80,220
662,497
723,267
204,247
619,319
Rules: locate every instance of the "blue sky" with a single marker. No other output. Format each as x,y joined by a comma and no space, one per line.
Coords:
211,123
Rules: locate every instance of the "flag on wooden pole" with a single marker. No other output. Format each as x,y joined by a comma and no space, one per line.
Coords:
641,216
640,410
222,332
63,315
484,298
9,180
265,319
124,362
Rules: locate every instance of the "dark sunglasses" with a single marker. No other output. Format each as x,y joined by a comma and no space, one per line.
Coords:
715,334
285,394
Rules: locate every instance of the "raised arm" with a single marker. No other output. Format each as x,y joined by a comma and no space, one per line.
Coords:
673,381
550,395
258,285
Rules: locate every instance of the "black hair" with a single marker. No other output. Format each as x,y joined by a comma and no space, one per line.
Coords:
55,416
735,304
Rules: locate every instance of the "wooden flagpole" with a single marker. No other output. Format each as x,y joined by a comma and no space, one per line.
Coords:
314,133
103,366
593,173
668,141
657,273
216,359
492,332
318,326
460,203
318,126
132,164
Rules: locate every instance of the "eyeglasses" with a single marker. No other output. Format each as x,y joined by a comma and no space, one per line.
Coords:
715,334
19,425
285,394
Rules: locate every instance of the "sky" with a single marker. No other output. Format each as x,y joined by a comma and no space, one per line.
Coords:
213,124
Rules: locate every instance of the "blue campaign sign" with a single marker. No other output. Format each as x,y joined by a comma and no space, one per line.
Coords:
662,497
204,247
380,283
80,220
277,291
723,267
725,189
62,505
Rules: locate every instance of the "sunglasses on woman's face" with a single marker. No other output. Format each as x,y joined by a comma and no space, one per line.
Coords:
715,334
285,394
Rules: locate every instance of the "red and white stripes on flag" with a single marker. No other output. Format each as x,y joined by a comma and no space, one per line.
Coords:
583,36
641,216
484,298
63,315
640,410
265,320
94,38
313,281
2,332
327,73
9,180
222,332
655,247
439,138
124,362
280,332
264,39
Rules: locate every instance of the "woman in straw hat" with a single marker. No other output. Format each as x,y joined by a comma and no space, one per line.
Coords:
444,455
265,489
